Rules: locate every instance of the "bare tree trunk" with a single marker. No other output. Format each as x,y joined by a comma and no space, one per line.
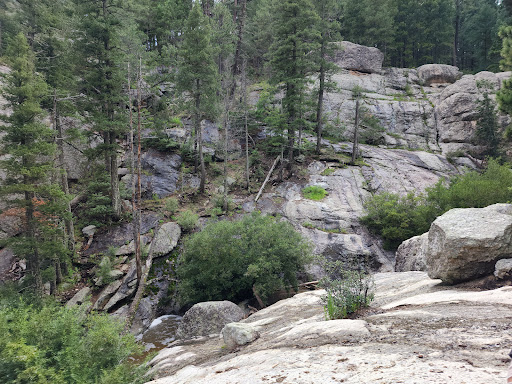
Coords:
238,52
70,230
319,108
225,123
142,285
246,126
137,211
114,180
33,259
197,124
356,128
267,178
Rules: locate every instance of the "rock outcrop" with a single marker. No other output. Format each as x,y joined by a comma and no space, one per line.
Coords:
208,318
465,244
416,331
332,224
438,74
359,58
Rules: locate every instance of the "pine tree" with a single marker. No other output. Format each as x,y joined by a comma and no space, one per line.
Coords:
504,95
198,75
296,37
102,68
328,11
29,147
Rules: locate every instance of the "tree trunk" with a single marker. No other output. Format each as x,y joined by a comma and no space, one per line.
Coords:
197,124
33,259
70,229
238,52
142,285
225,123
319,108
356,128
246,126
137,211
457,31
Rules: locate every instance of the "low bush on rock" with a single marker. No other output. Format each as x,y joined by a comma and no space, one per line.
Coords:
347,290
314,192
231,260
397,218
58,345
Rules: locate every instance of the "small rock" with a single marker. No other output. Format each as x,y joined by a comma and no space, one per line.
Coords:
237,334
80,297
90,230
503,268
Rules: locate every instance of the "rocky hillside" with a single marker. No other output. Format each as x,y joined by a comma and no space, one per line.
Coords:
416,331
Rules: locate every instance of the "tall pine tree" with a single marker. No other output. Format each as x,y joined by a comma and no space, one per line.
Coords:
198,76
28,144
296,37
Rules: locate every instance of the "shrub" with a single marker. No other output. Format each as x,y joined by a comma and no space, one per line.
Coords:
347,291
314,192
397,218
104,270
228,259
187,220
171,206
54,344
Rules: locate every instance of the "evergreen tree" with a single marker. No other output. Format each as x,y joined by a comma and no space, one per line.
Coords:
504,95
102,68
295,38
198,75
28,144
479,22
369,22
261,14
329,27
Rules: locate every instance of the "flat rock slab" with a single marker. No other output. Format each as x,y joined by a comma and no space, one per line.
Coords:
417,331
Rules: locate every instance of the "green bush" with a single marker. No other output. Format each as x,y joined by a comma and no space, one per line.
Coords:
397,218
59,345
187,220
228,259
347,291
314,192
171,206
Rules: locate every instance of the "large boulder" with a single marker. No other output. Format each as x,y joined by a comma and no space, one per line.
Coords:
464,244
359,58
410,255
166,239
438,74
208,318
